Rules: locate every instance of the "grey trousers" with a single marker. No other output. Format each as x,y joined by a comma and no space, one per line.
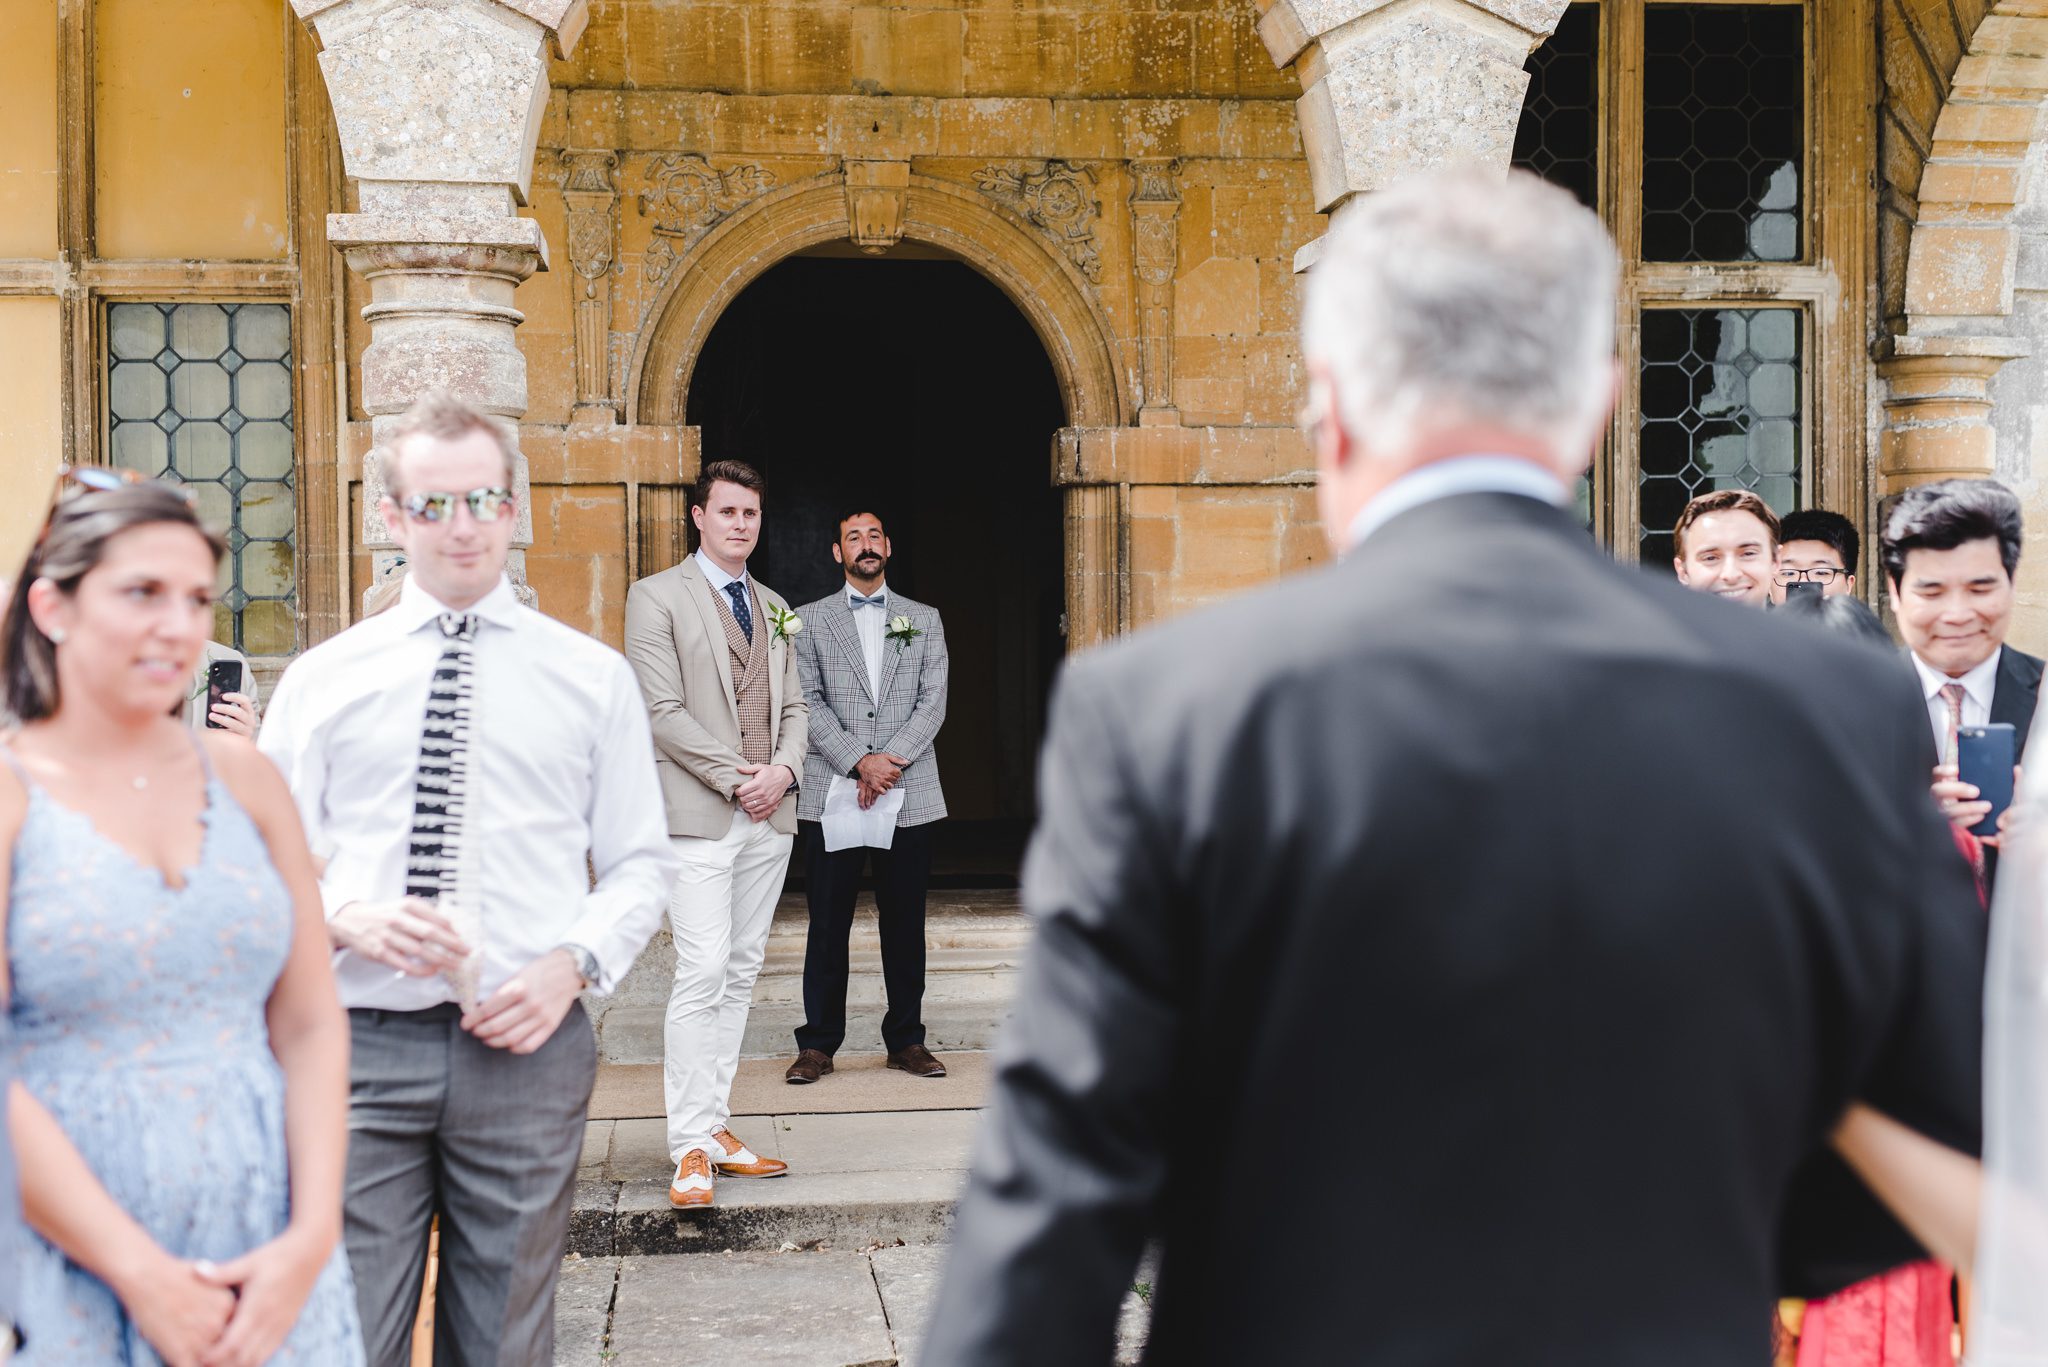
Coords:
441,1124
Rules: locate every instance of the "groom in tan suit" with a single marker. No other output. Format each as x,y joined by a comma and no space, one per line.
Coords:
712,650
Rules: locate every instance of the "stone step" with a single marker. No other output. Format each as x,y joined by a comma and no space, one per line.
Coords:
975,941
856,1181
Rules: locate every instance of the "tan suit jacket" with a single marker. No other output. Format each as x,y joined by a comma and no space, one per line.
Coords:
676,643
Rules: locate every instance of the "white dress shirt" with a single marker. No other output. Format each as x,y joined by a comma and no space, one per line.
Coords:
561,767
1474,474
717,577
1980,685
871,625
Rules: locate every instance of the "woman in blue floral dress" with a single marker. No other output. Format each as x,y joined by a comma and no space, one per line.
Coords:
180,1111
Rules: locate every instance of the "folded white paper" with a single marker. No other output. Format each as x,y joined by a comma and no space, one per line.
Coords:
847,826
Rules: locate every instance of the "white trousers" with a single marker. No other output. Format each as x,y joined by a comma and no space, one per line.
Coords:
719,914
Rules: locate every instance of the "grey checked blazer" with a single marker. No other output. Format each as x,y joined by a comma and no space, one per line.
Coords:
848,722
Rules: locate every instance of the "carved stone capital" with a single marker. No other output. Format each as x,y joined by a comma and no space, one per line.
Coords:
588,194
1290,27
875,193
449,92
1938,408
1156,180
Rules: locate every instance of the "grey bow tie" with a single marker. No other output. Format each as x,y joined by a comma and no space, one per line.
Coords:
859,602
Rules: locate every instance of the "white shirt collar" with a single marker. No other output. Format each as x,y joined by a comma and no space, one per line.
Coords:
1475,474
881,593
1978,685
715,576
416,607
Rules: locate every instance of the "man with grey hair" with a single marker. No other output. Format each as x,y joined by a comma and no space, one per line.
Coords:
1409,851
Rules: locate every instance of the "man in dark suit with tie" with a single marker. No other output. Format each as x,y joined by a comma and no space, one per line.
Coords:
1950,551
1458,851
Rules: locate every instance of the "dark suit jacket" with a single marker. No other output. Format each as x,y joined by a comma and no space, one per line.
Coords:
1451,957
2014,694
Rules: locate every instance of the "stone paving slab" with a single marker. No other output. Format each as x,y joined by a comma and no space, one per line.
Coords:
858,1309
859,1082
756,1309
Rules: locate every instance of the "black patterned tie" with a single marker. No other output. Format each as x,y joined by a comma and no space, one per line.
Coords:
441,788
740,612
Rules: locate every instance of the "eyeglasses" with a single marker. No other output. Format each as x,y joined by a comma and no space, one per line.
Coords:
485,505
1819,574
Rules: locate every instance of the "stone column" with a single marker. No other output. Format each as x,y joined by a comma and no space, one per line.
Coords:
1155,258
438,110
1937,408
592,201
1391,88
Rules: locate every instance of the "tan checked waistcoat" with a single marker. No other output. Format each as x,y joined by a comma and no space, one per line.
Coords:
749,674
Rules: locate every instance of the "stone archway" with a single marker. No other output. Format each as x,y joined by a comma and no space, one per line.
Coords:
1956,330
1043,284
876,204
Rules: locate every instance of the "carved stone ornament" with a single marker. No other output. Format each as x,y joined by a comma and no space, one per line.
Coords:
587,190
687,196
875,192
1157,181
1057,199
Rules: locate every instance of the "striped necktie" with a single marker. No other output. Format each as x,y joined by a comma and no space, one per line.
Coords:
441,788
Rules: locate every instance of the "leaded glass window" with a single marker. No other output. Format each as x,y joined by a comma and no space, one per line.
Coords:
201,395
1724,156
1559,136
1720,410
1723,132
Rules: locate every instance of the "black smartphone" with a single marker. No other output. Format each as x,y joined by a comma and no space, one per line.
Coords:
1805,588
222,677
1984,759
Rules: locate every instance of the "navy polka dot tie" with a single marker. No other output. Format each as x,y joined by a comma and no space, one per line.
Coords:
741,613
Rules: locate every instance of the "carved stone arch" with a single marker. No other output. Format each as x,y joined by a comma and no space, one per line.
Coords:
1037,278
1955,329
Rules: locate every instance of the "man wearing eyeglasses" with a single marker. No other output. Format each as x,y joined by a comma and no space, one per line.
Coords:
468,764
1816,546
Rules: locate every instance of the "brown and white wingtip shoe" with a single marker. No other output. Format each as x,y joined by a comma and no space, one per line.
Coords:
692,1187
740,1161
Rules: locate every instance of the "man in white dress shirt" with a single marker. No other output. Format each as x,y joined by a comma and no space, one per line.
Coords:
1949,552
459,758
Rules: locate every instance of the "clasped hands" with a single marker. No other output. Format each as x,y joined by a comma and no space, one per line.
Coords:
413,937
762,793
878,774
232,1314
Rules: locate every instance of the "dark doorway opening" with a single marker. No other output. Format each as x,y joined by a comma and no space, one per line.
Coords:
914,389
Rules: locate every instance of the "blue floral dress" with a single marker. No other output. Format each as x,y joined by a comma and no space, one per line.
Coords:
138,1018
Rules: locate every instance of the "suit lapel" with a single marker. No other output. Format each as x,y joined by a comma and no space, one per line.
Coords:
698,590
892,653
848,635
2013,697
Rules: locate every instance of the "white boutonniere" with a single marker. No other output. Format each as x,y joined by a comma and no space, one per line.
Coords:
901,632
787,623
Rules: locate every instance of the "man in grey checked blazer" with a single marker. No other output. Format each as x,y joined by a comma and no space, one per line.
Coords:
873,666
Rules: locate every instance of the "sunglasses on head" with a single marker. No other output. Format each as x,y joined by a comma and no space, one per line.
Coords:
99,479
485,505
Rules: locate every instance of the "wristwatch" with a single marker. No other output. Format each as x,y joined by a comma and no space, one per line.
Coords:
585,961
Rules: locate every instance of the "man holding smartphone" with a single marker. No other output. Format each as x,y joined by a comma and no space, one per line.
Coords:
222,695
1949,552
